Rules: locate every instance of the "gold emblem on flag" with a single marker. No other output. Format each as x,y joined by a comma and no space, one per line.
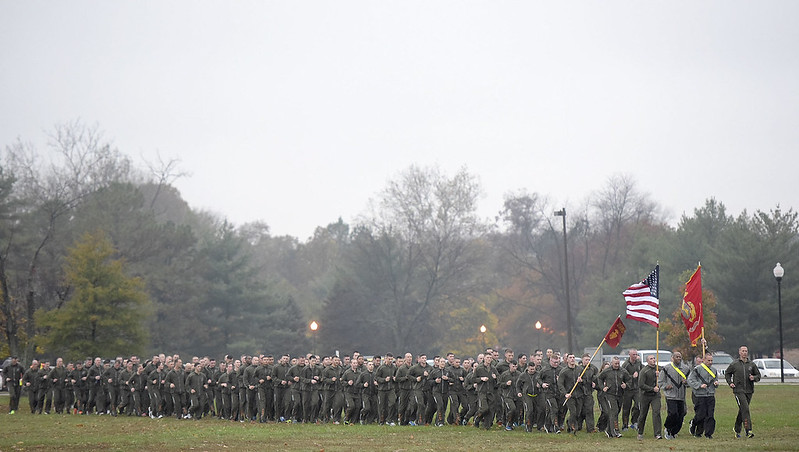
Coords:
688,310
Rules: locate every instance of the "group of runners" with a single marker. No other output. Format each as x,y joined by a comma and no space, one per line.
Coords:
544,392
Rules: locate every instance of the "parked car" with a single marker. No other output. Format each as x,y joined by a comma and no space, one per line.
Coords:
2,376
663,356
770,368
721,361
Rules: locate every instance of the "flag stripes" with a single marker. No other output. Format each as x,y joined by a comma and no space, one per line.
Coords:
642,300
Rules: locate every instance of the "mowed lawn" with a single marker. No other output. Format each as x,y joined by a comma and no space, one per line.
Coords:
775,410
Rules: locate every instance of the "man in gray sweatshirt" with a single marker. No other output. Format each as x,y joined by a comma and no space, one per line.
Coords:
704,381
672,381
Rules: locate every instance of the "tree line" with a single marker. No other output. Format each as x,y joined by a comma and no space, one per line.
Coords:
99,256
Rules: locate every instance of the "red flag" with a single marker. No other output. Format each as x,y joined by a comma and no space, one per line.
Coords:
691,309
615,333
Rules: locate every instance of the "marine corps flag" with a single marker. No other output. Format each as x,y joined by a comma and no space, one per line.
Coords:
691,309
612,338
616,331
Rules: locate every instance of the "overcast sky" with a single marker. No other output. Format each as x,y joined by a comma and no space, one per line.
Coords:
296,113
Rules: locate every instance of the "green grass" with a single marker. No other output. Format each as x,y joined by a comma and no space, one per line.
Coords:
775,413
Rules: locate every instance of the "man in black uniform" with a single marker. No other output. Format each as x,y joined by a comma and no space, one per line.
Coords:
440,380
741,375
58,380
548,381
630,398
281,389
613,381
528,392
386,393
30,381
13,372
570,384
650,397
418,376
251,380
457,392
404,385
485,377
588,386
510,400
352,398
45,393
95,386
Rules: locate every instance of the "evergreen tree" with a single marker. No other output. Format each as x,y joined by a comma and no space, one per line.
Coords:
106,312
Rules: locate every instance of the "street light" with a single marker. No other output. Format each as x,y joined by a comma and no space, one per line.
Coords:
483,335
538,328
314,326
562,213
778,273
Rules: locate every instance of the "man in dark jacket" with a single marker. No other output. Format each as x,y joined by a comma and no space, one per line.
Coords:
528,392
485,377
588,384
30,381
195,385
613,381
13,372
741,375
386,390
58,380
650,397
630,402
548,381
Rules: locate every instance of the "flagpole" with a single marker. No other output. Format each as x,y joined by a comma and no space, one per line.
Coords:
703,342
657,334
583,372
698,266
657,348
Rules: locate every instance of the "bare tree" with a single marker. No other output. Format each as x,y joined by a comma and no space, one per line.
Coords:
164,173
44,195
618,208
533,254
417,249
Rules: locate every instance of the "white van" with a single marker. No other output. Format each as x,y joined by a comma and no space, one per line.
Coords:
663,356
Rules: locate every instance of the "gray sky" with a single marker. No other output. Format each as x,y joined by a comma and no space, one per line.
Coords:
297,113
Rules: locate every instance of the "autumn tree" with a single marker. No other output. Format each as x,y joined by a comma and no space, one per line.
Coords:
106,312
533,260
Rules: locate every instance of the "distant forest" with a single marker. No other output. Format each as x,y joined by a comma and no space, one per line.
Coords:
101,256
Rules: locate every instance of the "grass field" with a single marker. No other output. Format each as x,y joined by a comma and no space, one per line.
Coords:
775,412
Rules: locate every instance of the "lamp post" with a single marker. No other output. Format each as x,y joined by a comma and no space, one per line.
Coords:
538,328
562,213
314,326
778,273
483,335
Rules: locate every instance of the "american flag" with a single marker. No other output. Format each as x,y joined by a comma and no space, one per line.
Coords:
643,300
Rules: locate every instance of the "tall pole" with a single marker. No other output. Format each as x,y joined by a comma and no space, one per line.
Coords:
778,273
314,326
562,213
538,328
779,304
